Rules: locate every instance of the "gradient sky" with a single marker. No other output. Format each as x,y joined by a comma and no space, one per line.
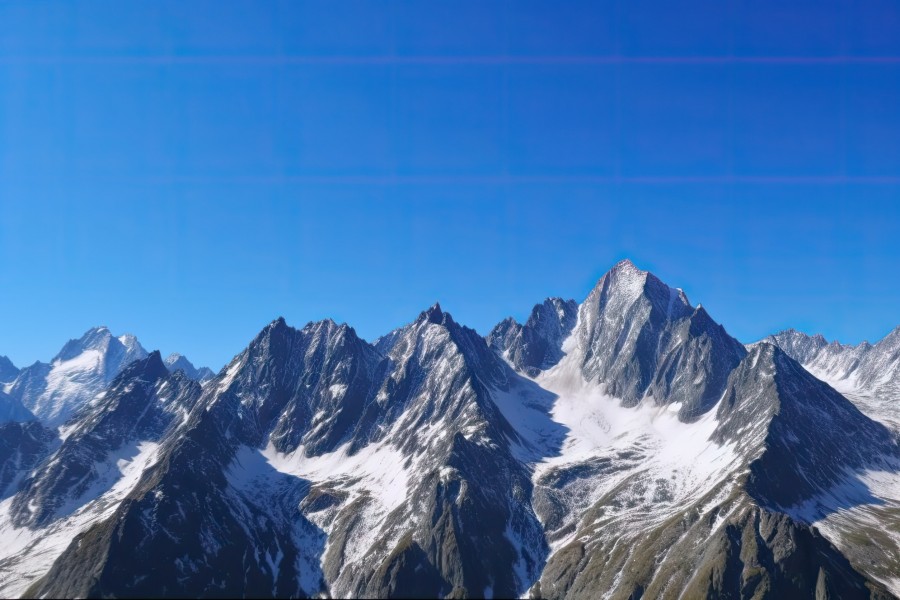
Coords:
189,171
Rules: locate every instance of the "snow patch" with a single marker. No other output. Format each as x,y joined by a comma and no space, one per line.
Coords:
27,554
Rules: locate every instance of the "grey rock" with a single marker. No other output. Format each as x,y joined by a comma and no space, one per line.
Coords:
640,338
179,362
8,371
230,505
537,345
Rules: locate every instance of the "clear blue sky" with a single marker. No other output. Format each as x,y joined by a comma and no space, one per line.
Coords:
190,171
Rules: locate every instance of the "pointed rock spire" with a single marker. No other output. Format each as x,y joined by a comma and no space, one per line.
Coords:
435,314
8,371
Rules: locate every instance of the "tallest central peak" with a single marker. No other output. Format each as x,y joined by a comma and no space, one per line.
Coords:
640,338
625,264
624,281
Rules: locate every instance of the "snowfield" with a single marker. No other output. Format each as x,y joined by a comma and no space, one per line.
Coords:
26,554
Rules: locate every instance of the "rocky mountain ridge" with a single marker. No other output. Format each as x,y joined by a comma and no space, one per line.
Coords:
867,374
623,447
82,370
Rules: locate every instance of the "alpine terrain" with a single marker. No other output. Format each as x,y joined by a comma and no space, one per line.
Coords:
622,447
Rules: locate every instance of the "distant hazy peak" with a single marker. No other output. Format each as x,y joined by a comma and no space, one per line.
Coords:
101,339
81,370
179,362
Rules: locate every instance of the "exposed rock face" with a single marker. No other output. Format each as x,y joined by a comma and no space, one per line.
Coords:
868,375
139,406
780,437
806,435
13,410
868,366
22,446
8,371
179,362
753,553
537,345
626,447
286,393
640,338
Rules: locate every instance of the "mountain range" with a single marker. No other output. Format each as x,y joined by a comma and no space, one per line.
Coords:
622,447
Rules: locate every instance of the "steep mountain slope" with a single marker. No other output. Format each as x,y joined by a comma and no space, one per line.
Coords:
64,485
639,485
640,338
22,445
395,470
869,375
221,521
459,527
625,448
137,408
8,371
13,410
536,345
81,370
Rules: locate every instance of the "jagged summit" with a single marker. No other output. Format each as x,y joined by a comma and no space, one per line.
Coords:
151,367
277,323
174,358
279,329
536,345
178,362
326,325
633,334
94,338
626,265
435,314
867,373
98,338
625,284
8,371
643,339
154,357
624,446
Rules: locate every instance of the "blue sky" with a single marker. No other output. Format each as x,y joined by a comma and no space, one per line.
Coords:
190,171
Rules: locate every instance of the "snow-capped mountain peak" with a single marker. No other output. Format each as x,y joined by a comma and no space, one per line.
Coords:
624,447
95,338
642,338
81,370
